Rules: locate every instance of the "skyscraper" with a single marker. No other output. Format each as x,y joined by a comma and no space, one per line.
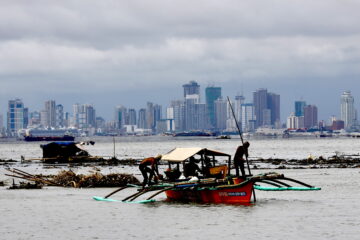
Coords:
220,114
142,118
132,116
59,119
191,88
15,116
50,109
347,109
260,104
211,95
299,108
120,116
247,117
84,116
310,116
267,108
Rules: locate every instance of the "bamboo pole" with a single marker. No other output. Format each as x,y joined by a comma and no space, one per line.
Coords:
117,190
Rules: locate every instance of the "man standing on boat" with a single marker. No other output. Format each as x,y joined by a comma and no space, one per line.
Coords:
239,158
150,165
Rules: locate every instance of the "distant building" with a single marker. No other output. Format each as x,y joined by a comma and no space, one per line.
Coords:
337,125
299,108
59,116
247,117
142,119
132,117
120,117
220,114
310,116
15,116
295,122
267,107
50,109
191,88
211,95
239,101
178,107
84,116
348,113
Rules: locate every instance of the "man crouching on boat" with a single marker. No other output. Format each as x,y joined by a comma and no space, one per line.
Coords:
239,158
150,165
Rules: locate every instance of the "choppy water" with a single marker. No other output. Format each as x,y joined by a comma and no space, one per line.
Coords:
61,213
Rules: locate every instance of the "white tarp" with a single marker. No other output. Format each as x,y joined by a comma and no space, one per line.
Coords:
181,154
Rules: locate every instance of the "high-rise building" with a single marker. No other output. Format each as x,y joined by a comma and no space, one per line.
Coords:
294,122
191,88
142,118
15,116
211,95
267,107
260,104
50,109
59,119
84,116
274,106
153,114
310,116
220,114
179,114
247,117
120,117
299,108
348,110
132,116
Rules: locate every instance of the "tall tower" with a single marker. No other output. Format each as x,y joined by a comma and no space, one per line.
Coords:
220,114
299,108
15,116
310,116
347,109
274,106
260,105
212,94
50,109
191,88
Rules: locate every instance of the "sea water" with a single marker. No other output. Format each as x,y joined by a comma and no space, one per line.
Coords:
68,213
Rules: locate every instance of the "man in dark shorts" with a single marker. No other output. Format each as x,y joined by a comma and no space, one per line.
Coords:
149,165
239,158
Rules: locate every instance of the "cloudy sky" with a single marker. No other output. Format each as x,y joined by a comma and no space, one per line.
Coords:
109,53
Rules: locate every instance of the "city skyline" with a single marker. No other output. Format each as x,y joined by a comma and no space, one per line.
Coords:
108,113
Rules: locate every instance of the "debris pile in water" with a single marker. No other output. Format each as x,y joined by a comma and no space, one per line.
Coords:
71,179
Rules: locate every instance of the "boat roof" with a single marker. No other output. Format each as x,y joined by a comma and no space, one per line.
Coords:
181,154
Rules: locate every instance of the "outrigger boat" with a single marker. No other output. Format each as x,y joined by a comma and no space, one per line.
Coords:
216,184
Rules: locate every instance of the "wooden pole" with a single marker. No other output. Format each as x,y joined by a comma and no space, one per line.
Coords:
117,190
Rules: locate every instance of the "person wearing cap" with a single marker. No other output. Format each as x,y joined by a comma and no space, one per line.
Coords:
150,165
239,158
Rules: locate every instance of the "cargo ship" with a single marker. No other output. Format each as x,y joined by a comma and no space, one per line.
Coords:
32,135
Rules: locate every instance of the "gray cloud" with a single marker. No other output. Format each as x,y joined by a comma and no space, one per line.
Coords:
76,49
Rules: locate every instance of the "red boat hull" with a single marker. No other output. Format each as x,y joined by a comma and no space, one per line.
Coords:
231,194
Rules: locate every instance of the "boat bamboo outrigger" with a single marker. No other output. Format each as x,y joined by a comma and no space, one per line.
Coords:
215,184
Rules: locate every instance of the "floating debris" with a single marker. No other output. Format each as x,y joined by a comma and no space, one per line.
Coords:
70,179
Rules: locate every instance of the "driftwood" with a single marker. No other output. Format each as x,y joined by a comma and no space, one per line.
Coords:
71,179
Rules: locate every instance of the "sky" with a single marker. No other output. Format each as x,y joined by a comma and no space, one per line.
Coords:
110,53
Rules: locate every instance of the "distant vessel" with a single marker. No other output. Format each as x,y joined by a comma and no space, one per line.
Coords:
195,134
48,135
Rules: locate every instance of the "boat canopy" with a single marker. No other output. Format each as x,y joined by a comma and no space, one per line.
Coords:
181,154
